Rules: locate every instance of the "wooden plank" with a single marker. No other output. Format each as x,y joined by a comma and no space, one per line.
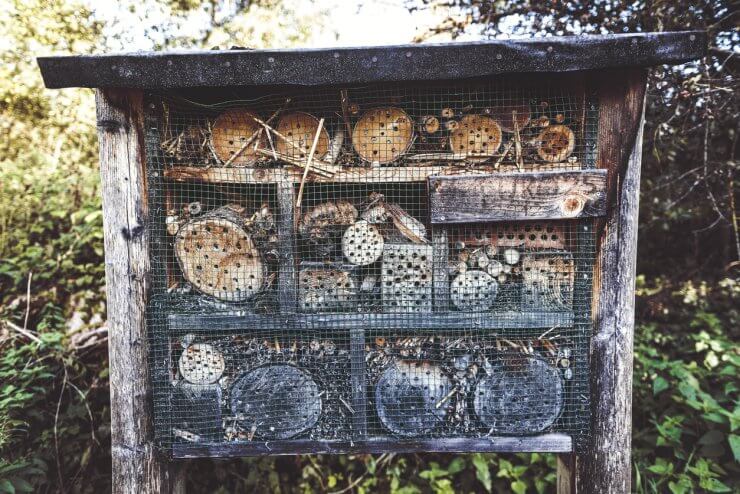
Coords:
566,476
359,396
135,465
237,321
605,464
352,174
545,443
517,196
287,288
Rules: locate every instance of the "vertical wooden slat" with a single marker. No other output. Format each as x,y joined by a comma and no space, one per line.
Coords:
605,464
359,387
287,290
136,467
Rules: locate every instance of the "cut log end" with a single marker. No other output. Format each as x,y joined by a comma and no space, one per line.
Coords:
231,134
382,135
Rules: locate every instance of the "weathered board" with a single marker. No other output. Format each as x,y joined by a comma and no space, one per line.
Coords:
517,196
544,443
136,466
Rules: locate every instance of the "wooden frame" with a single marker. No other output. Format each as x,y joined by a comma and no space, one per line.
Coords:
604,465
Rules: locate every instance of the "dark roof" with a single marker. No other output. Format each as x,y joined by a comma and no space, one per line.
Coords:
309,67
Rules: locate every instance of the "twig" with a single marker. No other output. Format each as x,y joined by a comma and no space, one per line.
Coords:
517,142
28,334
446,397
320,171
345,111
56,432
351,410
244,146
308,162
28,300
506,150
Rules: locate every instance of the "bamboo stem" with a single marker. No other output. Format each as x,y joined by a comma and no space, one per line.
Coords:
308,163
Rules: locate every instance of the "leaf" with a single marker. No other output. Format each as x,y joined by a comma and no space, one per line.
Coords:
482,472
713,485
659,385
7,486
519,487
661,467
734,441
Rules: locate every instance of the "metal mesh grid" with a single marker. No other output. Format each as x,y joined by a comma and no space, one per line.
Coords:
300,292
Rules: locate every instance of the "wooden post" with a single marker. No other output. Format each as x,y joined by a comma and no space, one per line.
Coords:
605,465
136,468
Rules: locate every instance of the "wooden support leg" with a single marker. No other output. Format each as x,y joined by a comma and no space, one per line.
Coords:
137,468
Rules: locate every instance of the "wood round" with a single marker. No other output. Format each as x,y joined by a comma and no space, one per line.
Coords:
362,243
473,290
218,257
300,129
201,364
326,289
521,396
477,136
406,397
383,134
230,131
555,143
276,401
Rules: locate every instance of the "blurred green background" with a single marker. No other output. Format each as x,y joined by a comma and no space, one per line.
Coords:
54,410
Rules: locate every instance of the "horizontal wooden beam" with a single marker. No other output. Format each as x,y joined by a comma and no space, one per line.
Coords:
545,443
242,320
348,174
517,196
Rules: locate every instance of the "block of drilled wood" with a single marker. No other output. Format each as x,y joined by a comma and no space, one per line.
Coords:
517,196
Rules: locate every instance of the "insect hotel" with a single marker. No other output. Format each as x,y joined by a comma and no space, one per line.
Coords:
391,249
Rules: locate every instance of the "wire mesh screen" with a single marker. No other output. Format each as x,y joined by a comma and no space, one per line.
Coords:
301,293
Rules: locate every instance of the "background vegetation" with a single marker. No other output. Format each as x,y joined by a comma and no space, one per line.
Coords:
53,358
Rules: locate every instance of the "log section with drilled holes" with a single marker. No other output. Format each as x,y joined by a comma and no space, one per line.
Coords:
555,143
201,364
231,134
517,196
299,128
406,281
382,135
219,257
477,137
326,289
362,243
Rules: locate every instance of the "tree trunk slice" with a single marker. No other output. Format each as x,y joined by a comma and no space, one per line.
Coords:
382,135
326,290
504,116
478,137
276,401
300,129
231,130
362,244
406,279
521,396
555,143
201,364
547,281
406,397
218,257
473,290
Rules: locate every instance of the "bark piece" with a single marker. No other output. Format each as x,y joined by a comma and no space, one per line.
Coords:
201,364
382,135
407,225
276,401
406,397
429,124
477,137
523,395
406,280
231,131
323,225
299,128
362,244
473,290
218,256
555,143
